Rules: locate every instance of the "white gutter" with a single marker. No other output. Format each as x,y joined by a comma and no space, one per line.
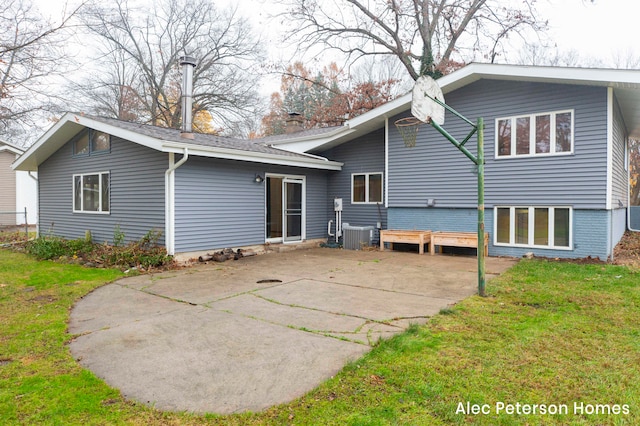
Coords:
308,161
169,201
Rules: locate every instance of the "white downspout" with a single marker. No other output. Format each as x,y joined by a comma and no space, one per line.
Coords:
37,204
169,201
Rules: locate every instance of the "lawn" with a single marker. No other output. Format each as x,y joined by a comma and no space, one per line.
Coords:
560,336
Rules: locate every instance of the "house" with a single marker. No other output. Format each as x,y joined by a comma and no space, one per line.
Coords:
17,189
556,171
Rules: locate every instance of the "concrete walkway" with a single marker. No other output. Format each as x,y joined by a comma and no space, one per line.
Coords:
260,331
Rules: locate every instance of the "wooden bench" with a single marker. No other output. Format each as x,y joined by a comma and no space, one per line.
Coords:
408,237
457,239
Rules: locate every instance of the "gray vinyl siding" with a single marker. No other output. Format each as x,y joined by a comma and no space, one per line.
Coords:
634,218
591,230
218,204
7,188
136,200
436,169
362,155
620,182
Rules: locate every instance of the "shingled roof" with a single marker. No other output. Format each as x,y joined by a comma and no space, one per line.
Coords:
167,140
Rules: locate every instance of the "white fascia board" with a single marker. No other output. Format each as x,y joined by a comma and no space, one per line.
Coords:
565,75
389,109
303,147
27,161
312,162
148,141
68,126
5,146
308,138
477,71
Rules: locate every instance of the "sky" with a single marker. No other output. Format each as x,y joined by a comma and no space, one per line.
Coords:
599,30
596,30
593,29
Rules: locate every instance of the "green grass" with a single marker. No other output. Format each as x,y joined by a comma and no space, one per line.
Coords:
549,333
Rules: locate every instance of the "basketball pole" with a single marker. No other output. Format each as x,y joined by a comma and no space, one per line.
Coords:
426,93
478,160
481,248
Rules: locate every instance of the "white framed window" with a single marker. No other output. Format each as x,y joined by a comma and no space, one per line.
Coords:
91,193
366,188
549,133
536,227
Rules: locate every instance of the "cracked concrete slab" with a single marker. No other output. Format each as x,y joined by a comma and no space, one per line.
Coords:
364,302
227,368
253,306
213,339
123,306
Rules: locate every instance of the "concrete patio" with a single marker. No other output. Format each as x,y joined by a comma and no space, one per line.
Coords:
247,334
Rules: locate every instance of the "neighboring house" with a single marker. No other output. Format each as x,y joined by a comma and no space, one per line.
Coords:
18,190
556,171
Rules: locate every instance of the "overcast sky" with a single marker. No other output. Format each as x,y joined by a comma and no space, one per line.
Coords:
595,30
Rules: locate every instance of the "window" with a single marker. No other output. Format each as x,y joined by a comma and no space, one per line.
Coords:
542,227
92,142
91,193
100,141
535,134
366,188
81,145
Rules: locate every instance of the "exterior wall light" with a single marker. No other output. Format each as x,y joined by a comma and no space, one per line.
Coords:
258,179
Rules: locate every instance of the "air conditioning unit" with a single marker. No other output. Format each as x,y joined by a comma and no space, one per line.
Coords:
356,237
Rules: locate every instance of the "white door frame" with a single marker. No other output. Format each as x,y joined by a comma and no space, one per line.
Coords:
287,179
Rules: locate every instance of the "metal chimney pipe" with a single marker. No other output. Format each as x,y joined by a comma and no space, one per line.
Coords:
188,63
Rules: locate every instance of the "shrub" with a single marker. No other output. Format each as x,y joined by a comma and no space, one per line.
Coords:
143,253
45,248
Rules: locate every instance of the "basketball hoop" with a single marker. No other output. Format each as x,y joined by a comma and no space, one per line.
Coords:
408,129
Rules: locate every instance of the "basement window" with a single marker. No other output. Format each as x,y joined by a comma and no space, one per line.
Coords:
536,227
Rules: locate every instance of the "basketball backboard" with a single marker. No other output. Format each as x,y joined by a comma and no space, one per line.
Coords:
423,106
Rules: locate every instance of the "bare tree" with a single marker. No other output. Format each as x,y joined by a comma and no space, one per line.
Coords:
31,54
427,36
540,54
141,48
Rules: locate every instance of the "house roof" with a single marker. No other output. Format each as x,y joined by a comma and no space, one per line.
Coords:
6,146
293,149
166,140
625,85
